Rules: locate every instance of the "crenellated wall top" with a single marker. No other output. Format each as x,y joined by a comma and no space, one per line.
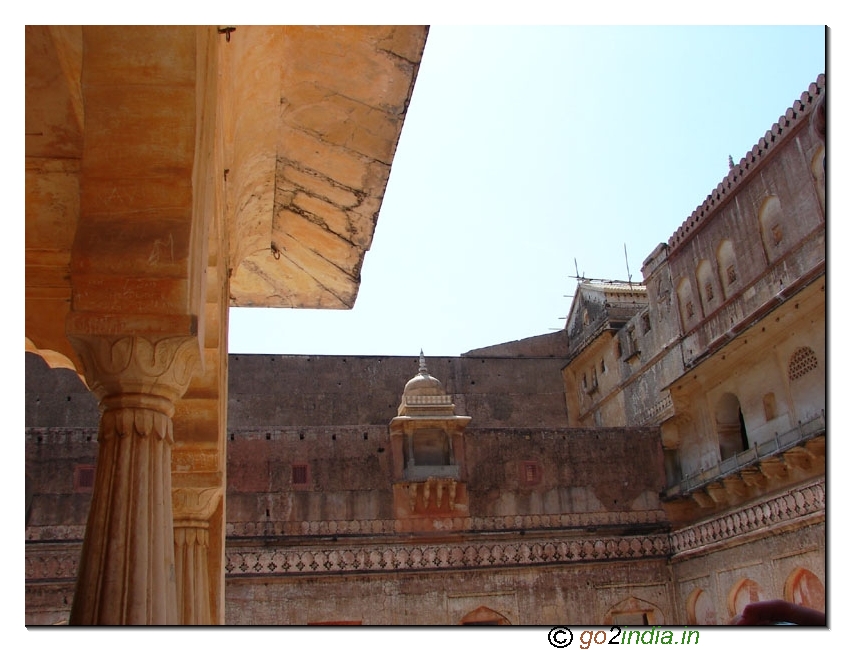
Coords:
793,117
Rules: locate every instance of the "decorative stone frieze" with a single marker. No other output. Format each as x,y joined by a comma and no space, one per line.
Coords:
55,533
802,504
430,557
787,508
52,562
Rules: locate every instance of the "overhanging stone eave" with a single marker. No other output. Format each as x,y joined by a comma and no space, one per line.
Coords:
312,147
269,281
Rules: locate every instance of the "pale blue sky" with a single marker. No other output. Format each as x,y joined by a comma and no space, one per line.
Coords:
527,148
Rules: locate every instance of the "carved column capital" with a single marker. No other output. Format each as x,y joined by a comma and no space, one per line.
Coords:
194,506
126,366
127,566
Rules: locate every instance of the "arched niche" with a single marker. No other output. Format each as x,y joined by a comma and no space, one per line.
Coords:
727,263
484,616
769,405
731,428
804,588
772,228
819,172
744,592
689,308
708,289
699,608
633,611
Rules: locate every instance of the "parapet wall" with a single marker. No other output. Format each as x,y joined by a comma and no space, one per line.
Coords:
794,118
282,390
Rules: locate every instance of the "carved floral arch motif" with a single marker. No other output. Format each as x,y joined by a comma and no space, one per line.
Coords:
804,588
484,616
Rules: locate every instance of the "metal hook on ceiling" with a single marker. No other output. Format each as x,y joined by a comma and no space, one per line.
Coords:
226,31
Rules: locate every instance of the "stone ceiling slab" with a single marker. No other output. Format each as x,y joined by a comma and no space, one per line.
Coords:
343,95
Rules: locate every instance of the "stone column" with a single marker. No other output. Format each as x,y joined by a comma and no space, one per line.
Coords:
126,573
193,508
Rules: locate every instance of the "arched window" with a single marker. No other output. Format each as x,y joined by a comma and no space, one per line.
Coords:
731,429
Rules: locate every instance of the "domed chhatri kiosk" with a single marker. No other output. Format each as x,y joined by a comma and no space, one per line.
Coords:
428,453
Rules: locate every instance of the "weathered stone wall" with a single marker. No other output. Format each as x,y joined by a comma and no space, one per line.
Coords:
581,470
608,472
291,390
587,540
553,344
353,397
769,562
56,398
349,476
773,220
580,594
54,496
49,604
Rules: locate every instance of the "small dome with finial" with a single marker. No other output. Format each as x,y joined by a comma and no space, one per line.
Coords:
423,384
425,398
